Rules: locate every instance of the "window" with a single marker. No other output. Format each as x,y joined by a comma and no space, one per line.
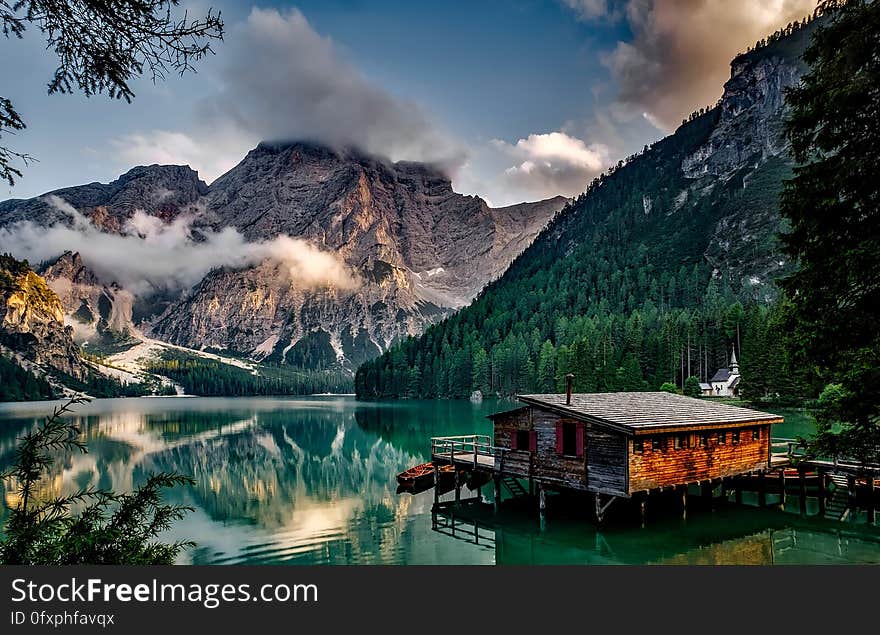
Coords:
569,439
734,436
704,440
756,434
656,444
638,446
678,442
722,438
523,441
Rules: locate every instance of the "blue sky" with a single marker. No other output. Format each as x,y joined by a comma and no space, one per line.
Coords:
518,100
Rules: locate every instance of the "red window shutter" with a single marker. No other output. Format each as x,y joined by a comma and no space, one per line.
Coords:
580,439
559,438
533,441
513,440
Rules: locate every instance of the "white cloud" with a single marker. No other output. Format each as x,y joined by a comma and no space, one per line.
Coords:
552,163
280,80
152,255
210,158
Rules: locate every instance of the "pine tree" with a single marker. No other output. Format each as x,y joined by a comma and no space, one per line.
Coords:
832,205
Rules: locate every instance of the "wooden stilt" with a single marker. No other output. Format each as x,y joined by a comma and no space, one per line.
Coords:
762,489
871,515
802,489
497,482
531,475
851,492
436,483
457,488
542,500
684,501
643,502
781,480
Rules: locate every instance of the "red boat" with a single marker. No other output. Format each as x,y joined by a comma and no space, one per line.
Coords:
423,474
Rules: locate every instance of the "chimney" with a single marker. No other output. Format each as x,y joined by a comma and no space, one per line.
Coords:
569,379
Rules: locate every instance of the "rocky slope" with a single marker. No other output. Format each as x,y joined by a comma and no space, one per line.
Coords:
32,321
747,149
414,250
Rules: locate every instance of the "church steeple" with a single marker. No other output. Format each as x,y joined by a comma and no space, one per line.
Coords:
734,365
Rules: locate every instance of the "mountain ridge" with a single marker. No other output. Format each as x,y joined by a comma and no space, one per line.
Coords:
417,250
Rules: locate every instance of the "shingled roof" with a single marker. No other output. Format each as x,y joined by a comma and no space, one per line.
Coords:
637,412
723,374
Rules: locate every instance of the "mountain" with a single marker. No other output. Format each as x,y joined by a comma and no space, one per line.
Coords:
655,273
418,249
32,329
412,249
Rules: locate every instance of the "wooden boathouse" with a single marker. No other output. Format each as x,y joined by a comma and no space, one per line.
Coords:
616,445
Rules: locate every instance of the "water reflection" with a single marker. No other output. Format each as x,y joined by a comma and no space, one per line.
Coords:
313,481
298,480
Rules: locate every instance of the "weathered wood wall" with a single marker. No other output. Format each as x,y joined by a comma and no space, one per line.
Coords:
668,466
506,424
605,451
606,461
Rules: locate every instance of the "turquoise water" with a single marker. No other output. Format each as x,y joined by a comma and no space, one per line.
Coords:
312,480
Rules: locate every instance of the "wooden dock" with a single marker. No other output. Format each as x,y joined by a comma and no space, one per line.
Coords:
837,490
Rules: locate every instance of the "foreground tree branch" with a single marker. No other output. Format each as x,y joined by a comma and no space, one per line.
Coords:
102,46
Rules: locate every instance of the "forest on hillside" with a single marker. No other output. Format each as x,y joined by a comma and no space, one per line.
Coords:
622,298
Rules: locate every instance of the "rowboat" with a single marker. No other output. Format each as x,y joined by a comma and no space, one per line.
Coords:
423,474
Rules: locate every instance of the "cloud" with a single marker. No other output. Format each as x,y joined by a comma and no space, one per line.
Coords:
589,9
552,163
680,52
280,80
151,255
210,158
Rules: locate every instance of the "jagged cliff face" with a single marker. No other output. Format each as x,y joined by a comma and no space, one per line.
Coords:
164,191
414,249
747,150
32,321
92,308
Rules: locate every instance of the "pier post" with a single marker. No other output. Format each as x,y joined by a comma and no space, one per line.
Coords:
762,489
869,480
643,502
851,492
457,488
802,489
821,492
497,482
542,499
782,489
684,502
436,483
531,474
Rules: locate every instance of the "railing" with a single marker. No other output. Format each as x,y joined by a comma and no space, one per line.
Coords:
476,445
790,448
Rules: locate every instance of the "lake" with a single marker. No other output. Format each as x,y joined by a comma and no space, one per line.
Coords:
312,481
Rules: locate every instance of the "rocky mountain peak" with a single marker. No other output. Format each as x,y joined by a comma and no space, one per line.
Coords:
418,250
